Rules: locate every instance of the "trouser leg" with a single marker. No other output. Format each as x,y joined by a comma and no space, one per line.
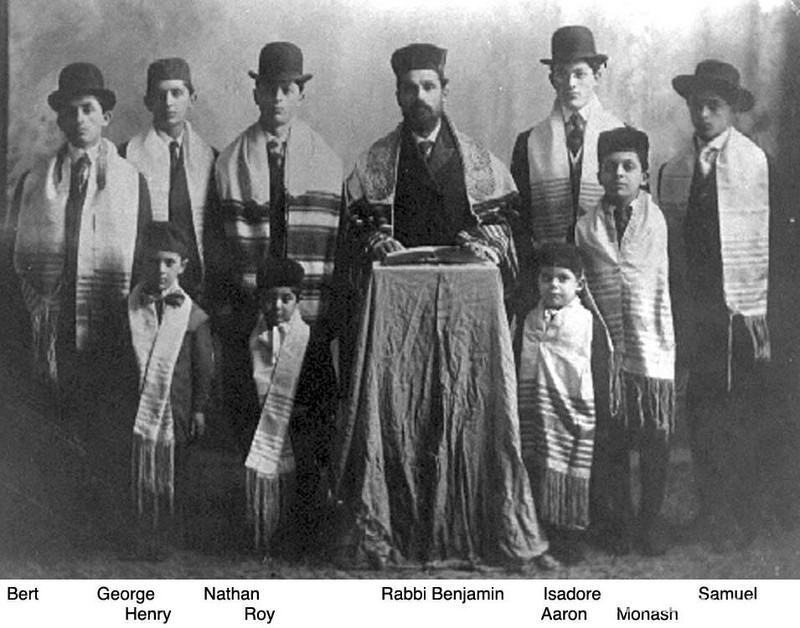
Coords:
653,465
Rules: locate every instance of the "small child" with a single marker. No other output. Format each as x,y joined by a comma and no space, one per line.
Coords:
173,350
623,240
556,399
288,448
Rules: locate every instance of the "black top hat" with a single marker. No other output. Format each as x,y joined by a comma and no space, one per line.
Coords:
165,236
573,43
721,78
170,69
279,272
624,138
419,57
280,61
81,79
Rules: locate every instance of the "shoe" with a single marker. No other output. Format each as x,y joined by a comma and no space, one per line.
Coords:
546,562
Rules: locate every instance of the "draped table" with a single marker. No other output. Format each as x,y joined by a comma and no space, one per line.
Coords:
427,455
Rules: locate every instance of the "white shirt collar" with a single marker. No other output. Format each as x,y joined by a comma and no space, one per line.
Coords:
168,139
76,153
584,112
717,143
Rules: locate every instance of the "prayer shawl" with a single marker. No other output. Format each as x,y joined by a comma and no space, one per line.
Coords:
270,463
491,192
313,180
156,348
556,411
106,245
549,217
742,181
150,154
630,285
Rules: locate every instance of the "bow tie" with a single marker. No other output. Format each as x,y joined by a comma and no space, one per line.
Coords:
173,299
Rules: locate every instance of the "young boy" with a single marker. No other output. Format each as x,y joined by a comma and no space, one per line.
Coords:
289,445
177,163
556,398
623,240
171,343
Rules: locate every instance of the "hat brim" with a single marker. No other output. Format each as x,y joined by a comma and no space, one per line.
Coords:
285,77
577,57
105,97
737,97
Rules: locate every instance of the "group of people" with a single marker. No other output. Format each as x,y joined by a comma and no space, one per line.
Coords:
135,262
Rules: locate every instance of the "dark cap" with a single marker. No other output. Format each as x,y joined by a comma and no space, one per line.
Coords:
165,236
719,77
562,255
81,79
573,43
419,57
624,138
170,69
280,272
280,62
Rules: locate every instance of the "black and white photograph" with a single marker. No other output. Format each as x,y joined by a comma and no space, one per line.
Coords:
425,289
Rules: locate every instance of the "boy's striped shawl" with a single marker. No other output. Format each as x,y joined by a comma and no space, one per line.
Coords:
150,154
106,246
556,411
550,214
742,179
313,179
630,285
270,463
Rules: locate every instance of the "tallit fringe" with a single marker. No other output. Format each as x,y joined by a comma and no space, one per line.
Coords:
44,326
759,332
270,500
564,499
653,401
153,476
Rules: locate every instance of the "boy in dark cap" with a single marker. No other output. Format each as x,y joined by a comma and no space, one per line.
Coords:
556,399
715,195
623,240
289,404
177,163
170,339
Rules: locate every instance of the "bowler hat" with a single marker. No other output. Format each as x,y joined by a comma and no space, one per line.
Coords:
166,236
279,272
170,69
721,78
573,43
419,57
624,138
280,61
81,79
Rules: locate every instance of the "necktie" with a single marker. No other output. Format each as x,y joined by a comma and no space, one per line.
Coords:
706,160
173,299
622,216
575,134
78,184
277,197
425,148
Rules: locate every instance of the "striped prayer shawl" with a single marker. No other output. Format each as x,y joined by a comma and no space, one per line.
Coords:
556,411
150,154
106,245
156,348
313,179
549,217
490,189
630,284
742,179
270,462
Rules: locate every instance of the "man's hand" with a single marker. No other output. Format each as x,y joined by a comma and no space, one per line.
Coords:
386,246
198,427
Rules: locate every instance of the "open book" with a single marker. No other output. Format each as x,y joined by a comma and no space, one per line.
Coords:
433,255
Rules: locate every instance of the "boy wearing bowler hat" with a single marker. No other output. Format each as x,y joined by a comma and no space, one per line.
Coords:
76,217
715,195
279,185
554,163
177,163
